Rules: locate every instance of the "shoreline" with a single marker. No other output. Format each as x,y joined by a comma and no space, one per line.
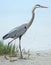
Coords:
36,58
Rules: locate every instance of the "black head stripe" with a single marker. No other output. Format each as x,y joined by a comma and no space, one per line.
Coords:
37,5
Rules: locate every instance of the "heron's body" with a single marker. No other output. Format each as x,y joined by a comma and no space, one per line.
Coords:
16,32
19,31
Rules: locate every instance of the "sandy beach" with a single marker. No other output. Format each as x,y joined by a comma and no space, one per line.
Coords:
36,58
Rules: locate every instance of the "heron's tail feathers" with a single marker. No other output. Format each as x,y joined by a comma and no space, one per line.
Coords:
5,37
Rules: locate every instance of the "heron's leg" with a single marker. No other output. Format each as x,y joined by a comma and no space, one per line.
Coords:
20,48
11,41
8,47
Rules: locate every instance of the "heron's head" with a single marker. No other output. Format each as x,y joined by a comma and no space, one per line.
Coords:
40,6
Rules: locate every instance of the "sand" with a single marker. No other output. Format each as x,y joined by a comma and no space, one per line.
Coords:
36,58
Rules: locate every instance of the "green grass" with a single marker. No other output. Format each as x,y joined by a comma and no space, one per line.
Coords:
1,48
8,50
12,50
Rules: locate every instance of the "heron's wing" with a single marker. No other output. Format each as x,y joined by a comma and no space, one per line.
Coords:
16,32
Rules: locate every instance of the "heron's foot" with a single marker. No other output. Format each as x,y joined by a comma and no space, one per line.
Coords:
22,58
6,57
10,59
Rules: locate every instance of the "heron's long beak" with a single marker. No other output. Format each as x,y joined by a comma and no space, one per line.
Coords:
44,7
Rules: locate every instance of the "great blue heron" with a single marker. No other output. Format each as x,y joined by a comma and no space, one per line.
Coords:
19,31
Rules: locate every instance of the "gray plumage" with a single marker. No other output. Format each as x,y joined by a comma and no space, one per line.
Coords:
16,32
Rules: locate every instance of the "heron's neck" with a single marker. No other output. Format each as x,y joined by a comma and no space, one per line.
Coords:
30,22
